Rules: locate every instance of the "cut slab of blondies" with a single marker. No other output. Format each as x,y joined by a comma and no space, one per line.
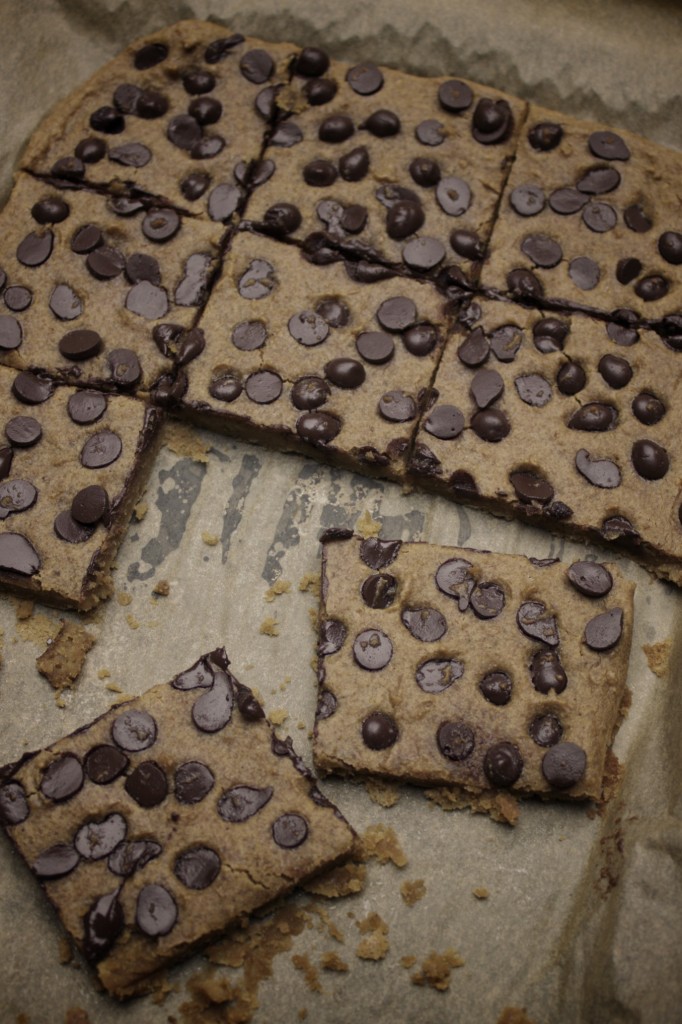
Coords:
99,291
159,825
590,217
566,420
180,114
442,665
407,169
315,358
72,465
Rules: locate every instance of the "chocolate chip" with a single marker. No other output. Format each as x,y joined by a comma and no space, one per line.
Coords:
455,740
6,459
147,784
184,131
320,173
69,168
486,387
599,472
430,132
566,201
318,427
80,344
194,185
437,676
130,857
372,650
11,334
564,765
198,81
156,911
377,553
17,298
571,378
108,120
105,263
51,210
56,862
16,496
86,407
125,206
65,303
213,710
263,387
101,450
584,273
90,505
287,135
379,591
86,239
546,730
475,349
256,66
648,408
547,672
192,782
134,730
311,62
542,250
397,407
353,166
423,253
289,830
652,287
160,225
219,49
491,425
467,244
308,328
527,200
598,180
282,219
608,146
310,392
103,923
453,196
594,416
97,839
382,124
503,764
425,624
424,171
375,347
223,201
650,459
35,249
445,422
590,578
104,763
62,778
258,280
197,868
23,431
91,151
492,121
670,247
199,676
545,136
326,705
249,335
523,284
345,373
615,370
13,804
226,387
549,335
531,488
365,79
534,620
487,600
132,154
150,55
533,389
496,687
627,270
336,128
332,637
455,96
71,531
599,217
32,388
404,218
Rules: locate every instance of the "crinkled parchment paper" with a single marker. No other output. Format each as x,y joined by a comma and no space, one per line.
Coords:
582,921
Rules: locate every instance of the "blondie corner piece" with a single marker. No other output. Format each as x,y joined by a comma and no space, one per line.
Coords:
156,827
442,665
72,466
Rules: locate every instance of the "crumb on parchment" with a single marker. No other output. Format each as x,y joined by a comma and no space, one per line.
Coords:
269,627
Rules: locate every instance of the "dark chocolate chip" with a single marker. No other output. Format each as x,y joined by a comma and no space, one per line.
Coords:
372,650
198,81
198,867
423,253
571,378
226,387
105,263
194,185
377,553
142,267
6,459
648,408
397,407
91,151
545,136
130,857
375,347
397,314
108,120
35,249
103,923
527,200
531,488
319,91
379,591
125,206
65,303
101,450
505,342
594,416
425,171
70,530
547,672
438,675
584,273
160,225
17,298
13,804
546,730
263,387
223,201
17,554
599,472
503,764
430,132
16,496
382,124
70,168
652,287
608,146
345,373
147,784
184,131
542,250
326,705
242,802
445,422
455,96
523,284
336,128
132,154
404,218
90,505
51,210
193,781
365,79
332,637
156,911
150,55
567,201
134,730
615,370
549,335
487,600
86,407
32,388
650,459
219,49
537,623
475,349
353,166
62,778
199,676
598,180
453,196
670,247
282,219
533,389
492,121
86,239
590,578
311,62
599,217
258,280
289,830
249,335
80,344
97,839
256,66
636,219
213,710
454,579
496,687
564,765
425,624
308,328
491,425
627,270
104,763
486,387
319,173
23,431
287,135
11,334
318,427
55,862
455,740
310,392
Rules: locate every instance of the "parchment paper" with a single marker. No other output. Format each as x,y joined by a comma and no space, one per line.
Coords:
583,922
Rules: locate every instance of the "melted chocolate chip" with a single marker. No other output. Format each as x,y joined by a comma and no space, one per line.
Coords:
55,862
147,784
65,303
533,389
258,280
487,600
486,387
242,802
590,578
86,239
282,219
13,804
430,132
375,347
103,923
17,554
527,200
32,388
455,740
547,672
453,196
608,146
542,250
475,349
308,328
332,637
156,911
289,830
86,407
318,427
438,675
397,407
134,730
564,765
404,218
249,335
62,778
10,333
104,763
531,488
379,591
70,530
496,687
97,839
23,431
599,472
198,867
130,857
445,422
534,620
219,49
546,730
594,416
90,505
372,650
566,201
193,781
423,253
365,79
105,263
35,249
101,450
550,334
213,710
194,185
150,55
503,764
310,392
425,624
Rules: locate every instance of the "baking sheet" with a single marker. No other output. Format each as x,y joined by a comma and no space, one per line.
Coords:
582,918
